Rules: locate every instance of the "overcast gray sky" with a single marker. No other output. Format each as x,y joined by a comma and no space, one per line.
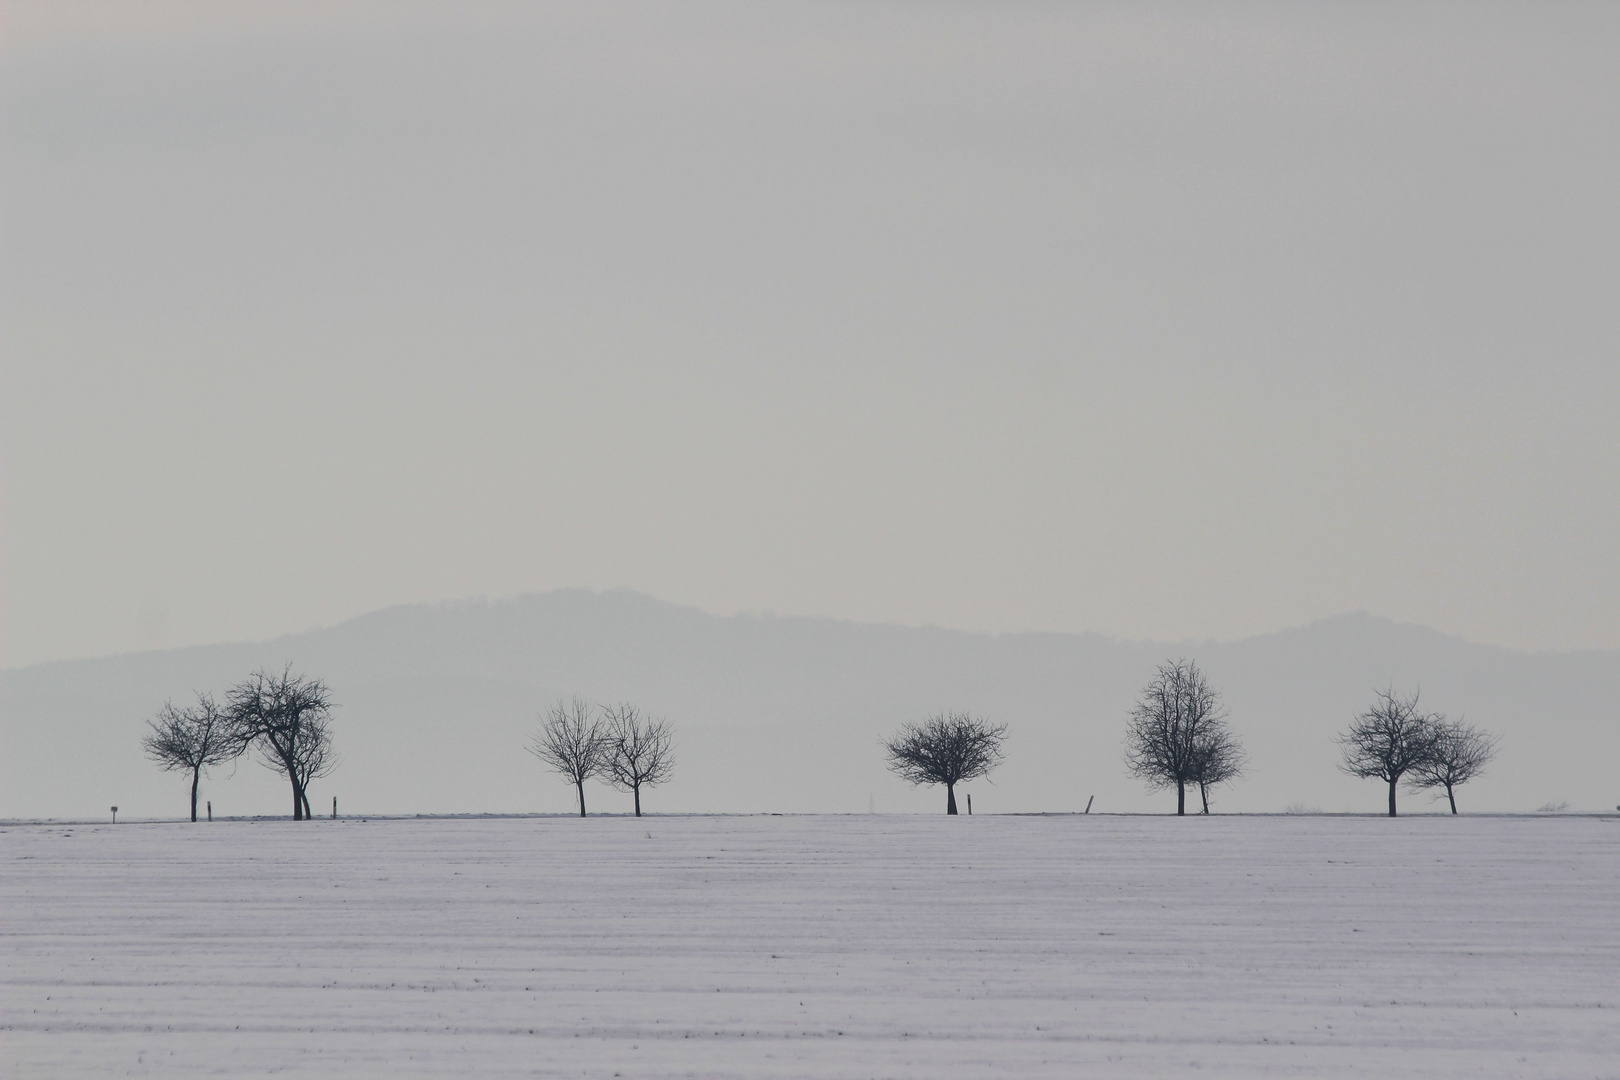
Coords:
1158,320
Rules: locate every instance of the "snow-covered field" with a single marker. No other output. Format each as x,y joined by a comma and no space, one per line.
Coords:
814,946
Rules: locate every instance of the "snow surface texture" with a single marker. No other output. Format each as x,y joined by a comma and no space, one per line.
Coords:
815,946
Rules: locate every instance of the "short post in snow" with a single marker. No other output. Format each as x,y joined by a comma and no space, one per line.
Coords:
1089,802
115,815
210,809
334,808
970,806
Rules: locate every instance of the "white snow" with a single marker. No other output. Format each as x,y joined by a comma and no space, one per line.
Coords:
814,946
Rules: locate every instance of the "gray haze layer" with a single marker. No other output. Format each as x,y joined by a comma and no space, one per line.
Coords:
788,714
1160,320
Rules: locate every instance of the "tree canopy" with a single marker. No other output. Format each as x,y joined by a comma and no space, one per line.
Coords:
194,739
1177,733
946,748
1388,740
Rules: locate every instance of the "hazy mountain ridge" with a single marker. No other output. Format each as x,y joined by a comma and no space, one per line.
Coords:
786,712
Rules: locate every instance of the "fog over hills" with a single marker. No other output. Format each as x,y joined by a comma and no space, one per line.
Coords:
787,714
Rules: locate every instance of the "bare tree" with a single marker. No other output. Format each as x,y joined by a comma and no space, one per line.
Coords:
1459,752
1389,740
947,748
194,739
1177,732
289,718
639,751
1217,758
573,743
313,756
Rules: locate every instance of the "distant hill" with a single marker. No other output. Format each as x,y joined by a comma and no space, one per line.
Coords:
786,714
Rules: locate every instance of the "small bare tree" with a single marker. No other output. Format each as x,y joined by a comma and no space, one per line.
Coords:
573,743
1390,739
1217,758
193,739
1177,731
312,754
1459,752
640,752
289,718
947,748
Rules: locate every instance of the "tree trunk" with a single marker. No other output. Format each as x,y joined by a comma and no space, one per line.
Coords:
638,800
1181,798
309,815
196,779
950,798
1392,784
1451,797
1203,795
298,802
581,785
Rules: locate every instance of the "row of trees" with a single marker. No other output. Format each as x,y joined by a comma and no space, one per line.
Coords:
1395,740
614,742
1178,736
286,717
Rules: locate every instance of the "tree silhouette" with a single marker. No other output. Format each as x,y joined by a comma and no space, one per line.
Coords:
1177,733
947,748
194,739
1387,741
1217,758
573,743
289,718
640,751
1458,753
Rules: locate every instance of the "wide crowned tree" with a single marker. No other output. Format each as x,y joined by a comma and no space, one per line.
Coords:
289,718
192,739
1177,734
1389,740
947,748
